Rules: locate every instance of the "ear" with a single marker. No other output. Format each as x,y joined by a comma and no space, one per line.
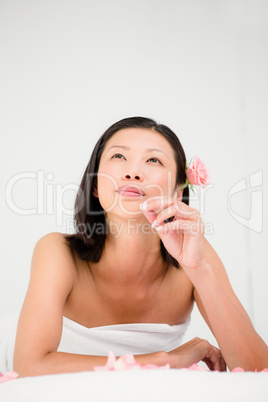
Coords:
95,193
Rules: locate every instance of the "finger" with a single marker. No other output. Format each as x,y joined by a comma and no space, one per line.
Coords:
158,204
220,363
174,212
150,215
195,228
152,206
150,211
208,363
213,362
213,357
223,364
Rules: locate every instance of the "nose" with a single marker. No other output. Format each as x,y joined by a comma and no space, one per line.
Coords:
135,176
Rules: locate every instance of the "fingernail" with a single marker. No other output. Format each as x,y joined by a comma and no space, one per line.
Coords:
155,224
144,206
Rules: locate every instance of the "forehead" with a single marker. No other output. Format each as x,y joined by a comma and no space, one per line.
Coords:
140,137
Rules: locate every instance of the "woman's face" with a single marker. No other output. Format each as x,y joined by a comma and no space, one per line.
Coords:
136,164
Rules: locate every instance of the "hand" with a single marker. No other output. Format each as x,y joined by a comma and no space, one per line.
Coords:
183,237
195,351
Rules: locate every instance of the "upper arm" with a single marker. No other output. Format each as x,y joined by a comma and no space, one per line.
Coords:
40,323
222,277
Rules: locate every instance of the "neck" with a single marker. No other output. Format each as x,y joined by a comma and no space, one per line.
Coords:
132,253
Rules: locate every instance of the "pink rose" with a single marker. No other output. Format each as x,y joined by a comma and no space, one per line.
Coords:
197,173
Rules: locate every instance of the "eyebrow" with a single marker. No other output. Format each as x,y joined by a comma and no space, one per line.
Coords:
147,149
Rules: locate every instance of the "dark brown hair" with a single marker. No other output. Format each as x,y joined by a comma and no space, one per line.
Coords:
90,224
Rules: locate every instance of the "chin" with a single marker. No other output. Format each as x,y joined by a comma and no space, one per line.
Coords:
127,211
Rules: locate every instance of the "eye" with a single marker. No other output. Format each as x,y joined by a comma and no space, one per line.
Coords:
154,160
118,156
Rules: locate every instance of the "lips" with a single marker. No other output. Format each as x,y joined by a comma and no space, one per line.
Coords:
131,191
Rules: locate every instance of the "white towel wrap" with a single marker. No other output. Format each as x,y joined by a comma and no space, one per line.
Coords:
138,338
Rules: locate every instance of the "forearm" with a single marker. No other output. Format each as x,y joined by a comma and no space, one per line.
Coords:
232,328
60,362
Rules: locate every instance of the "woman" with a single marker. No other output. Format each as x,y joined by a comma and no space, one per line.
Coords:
135,266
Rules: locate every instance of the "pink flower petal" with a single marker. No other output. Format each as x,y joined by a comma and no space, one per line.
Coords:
8,376
196,367
154,366
111,360
125,362
237,370
109,365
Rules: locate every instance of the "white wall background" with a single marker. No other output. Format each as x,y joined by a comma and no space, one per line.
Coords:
69,69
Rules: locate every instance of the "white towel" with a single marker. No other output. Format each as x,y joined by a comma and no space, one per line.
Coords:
138,338
121,339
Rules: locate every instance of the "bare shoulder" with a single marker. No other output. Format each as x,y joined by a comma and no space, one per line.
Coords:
54,243
52,255
52,239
